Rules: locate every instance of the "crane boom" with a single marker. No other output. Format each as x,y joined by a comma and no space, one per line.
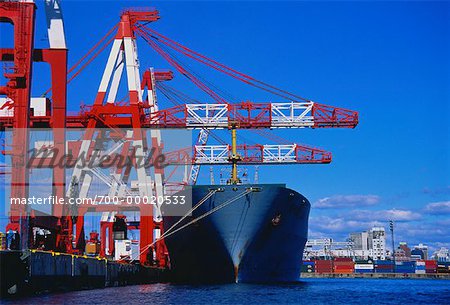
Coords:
253,115
246,115
249,154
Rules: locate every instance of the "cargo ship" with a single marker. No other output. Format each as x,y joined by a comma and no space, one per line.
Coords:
244,233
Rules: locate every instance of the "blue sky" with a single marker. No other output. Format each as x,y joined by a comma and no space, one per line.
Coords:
387,60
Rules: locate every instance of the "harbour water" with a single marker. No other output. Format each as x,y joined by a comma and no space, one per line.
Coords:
308,291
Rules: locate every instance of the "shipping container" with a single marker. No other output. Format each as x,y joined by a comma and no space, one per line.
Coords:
307,269
367,261
420,267
405,263
323,263
350,271
384,271
443,268
384,267
430,264
363,270
323,266
381,262
405,270
343,267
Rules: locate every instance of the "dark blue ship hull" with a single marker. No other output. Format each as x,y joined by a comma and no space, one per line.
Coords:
259,237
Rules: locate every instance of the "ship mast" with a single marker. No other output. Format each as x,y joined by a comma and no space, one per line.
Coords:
235,157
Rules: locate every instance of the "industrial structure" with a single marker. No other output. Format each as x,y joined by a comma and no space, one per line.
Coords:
370,244
112,126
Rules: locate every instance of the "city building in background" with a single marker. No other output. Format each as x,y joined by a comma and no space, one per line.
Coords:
370,245
421,247
377,243
403,253
404,246
364,245
442,255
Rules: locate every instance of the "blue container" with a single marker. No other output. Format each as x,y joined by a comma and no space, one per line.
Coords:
363,270
380,262
384,271
308,263
405,271
420,267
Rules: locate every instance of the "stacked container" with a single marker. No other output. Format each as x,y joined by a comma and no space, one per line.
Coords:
443,267
363,268
420,267
307,267
323,266
430,266
343,265
405,267
383,266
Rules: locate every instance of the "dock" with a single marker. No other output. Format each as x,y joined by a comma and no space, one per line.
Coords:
33,271
440,276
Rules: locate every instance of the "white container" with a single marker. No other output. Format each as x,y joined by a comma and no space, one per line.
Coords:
364,266
39,106
122,249
420,272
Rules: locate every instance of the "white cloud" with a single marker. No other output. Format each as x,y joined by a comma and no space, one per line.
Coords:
442,207
341,201
326,224
385,215
409,226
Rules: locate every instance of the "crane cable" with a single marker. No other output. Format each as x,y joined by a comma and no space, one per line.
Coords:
206,197
85,56
161,38
180,68
217,208
219,66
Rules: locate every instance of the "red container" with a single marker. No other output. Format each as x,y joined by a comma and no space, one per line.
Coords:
343,267
347,271
323,266
430,270
430,264
324,271
323,262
